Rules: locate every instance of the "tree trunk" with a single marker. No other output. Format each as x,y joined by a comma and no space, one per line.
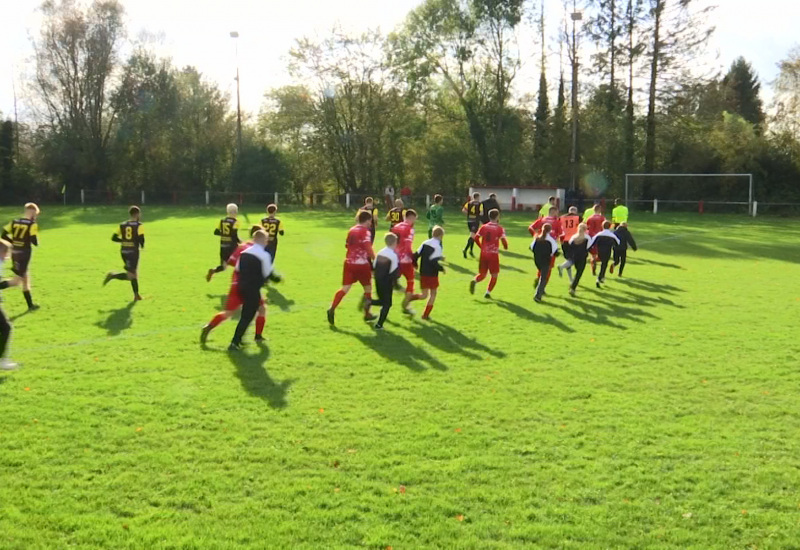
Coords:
650,145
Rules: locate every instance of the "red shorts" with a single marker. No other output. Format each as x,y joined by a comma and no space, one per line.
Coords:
490,264
234,302
428,283
407,271
357,273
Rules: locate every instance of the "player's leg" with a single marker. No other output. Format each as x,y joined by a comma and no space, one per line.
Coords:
470,240
545,269
384,291
604,259
580,267
366,283
249,310
5,335
483,270
431,301
261,320
232,304
21,260
623,259
494,271
348,278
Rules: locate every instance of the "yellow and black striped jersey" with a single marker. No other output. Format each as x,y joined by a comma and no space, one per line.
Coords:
474,210
228,231
22,232
130,234
274,227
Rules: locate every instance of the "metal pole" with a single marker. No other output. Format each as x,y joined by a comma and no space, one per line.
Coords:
750,200
626,191
576,16
235,36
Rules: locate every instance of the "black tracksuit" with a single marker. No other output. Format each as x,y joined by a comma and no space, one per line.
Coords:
543,251
255,267
621,251
385,278
428,267
605,246
578,253
489,204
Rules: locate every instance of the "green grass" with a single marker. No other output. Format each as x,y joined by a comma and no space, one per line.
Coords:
661,412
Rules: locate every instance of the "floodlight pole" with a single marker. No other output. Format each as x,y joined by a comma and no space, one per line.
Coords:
235,36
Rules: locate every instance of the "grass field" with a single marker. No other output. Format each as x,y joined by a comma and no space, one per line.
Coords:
660,412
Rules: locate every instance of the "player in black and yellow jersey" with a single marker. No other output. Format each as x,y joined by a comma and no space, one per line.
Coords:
22,233
228,232
274,227
130,235
474,211
396,214
369,206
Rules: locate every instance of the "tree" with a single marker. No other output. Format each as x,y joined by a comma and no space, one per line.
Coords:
541,122
6,153
787,95
741,90
75,57
606,28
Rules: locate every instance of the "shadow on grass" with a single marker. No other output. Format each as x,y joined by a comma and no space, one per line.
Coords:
506,267
118,320
516,255
450,340
529,315
648,286
628,297
460,269
396,349
275,298
643,261
19,315
254,377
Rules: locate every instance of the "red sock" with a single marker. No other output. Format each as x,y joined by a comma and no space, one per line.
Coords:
218,318
260,321
367,300
428,310
492,283
337,299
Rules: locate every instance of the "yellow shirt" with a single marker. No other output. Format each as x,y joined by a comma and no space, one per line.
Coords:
619,214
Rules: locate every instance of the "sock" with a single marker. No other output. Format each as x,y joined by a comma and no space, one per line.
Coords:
260,322
428,310
492,283
120,276
367,301
219,269
469,244
337,298
28,299
135,286
218,318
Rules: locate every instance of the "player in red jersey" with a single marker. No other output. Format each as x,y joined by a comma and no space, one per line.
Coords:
488,239
234,302
556,232
357,264
405,254
594,225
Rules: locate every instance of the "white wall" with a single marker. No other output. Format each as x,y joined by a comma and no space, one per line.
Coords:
528,198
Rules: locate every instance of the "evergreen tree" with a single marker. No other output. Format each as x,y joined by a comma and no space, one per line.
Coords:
741,90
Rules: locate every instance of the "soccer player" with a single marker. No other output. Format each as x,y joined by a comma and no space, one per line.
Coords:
429,255
590,211
228,232
594,225
357,265
621,252
474,211
130,235
604,241
556,232
435,214
619,214
569,223
579,246
255,268
545,209
369,206
489,205
544,249
387,271
405,255
488,240
22,233
5,325
274,227
397,214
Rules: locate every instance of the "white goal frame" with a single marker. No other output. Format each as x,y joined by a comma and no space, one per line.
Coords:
750,210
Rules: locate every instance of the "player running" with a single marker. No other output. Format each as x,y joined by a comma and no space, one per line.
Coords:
621,251
556,232
546,207
605,242
5,324
274,228
22,233
386,273
130,235
429,255
619,214
397,214
544,248
405,255
474,211
594,225
369,207
357,265
569,223
435,214
579,246
488,240
228,232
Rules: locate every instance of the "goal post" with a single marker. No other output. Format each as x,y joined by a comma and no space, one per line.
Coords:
696,199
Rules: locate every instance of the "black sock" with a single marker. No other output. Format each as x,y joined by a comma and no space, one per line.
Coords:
135,286
120,276
470,242
27,294
219,269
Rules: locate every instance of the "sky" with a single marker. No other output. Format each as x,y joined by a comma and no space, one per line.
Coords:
197,32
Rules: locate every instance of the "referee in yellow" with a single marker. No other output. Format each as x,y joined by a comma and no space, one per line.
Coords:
619,214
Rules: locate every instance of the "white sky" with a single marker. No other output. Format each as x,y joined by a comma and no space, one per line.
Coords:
196,32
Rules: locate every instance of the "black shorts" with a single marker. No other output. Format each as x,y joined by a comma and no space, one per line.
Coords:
225,253
20,259
566,248
130,258
473,226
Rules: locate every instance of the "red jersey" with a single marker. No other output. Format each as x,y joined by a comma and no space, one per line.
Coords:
234,257
555,222
359,245
569,223
594,224
405,242
489,237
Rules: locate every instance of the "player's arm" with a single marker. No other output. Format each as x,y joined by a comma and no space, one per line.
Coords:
370,251
280,228
631,242
479,237
235,233
504,241
140,237
117,236
388,215
218,230
464,208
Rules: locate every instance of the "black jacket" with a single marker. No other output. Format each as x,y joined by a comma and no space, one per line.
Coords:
255,268
383,271
542,252
625,238
429,267
605,245
489,204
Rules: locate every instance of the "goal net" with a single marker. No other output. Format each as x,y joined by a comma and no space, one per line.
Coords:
713,193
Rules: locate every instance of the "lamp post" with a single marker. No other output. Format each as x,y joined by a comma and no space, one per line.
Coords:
576,16
235,36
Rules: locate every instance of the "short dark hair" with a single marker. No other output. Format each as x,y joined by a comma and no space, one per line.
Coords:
493,195
364,216
438,198
134,210
551,199
254,229
617,202
494,213
271,209
368,199
606,224
411,212
476,195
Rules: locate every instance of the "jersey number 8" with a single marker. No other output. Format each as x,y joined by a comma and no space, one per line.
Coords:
129,233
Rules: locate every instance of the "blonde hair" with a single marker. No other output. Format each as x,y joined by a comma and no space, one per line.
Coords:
390,239
232,209
398,203
32,206
437,231
580,236
260,237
